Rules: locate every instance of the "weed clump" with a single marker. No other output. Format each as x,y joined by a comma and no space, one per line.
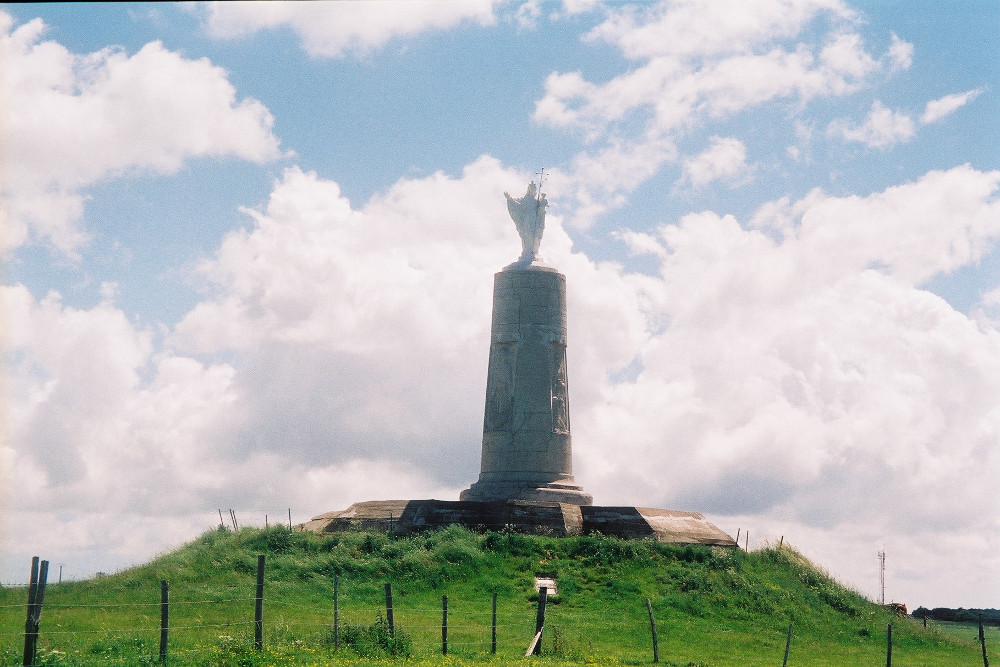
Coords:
511,544
375,640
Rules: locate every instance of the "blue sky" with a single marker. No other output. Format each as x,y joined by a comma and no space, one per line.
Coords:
248,251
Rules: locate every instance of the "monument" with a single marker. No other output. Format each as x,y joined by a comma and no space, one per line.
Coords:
526,471
526,436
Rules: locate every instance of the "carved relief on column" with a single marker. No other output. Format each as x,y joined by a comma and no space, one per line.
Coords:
500,387
560,391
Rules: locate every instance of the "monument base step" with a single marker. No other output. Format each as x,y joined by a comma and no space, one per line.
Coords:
553,492
405,517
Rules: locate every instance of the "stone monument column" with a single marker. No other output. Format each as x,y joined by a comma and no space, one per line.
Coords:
527,450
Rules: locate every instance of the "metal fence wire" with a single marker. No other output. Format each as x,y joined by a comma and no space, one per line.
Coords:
191,624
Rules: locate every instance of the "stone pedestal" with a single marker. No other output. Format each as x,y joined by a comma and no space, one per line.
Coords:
527,452
407,517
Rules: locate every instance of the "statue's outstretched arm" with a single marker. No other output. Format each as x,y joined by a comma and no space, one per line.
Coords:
511,206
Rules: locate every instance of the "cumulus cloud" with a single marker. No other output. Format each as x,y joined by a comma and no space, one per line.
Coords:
116,444
595,181
724,159
720,59
698,29
801,380
528,13
809,382
359,306
359,338
82,411
374,313
805,383
883,127
944,106
900,53
73,120
334,29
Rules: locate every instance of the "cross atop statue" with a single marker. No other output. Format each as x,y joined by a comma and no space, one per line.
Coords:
528,213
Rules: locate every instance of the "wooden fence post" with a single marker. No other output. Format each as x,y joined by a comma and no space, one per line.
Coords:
493,631
36,610
652,628
164,619
388,610
888,646
29,626
982,641
444,625
543,595
36,596
788,645
258,615
336,612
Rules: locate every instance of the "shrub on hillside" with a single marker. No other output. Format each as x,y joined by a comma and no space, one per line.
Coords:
375,640
508,543
600,550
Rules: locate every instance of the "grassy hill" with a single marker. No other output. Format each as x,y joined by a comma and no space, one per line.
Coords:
712,607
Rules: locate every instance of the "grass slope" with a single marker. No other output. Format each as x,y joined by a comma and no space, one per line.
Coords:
712,607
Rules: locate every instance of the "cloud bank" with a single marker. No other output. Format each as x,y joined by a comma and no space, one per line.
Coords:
788,367
336,29
722,60
787,371
71,121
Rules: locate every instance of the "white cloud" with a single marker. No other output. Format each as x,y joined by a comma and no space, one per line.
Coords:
699,63
529,13
573,7
699,29
375,313
900,53
882,128
360,307
944,106
334,29
942,221
122,450
73,120
357,337
674,90
724,159
594,181
987,311
807,385
81,412
810,385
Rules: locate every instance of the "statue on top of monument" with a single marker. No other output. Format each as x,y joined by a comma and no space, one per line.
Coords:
528,213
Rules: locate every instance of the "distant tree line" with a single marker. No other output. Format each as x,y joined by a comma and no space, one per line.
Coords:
960,615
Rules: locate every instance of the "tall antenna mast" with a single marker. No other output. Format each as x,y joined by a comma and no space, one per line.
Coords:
881,576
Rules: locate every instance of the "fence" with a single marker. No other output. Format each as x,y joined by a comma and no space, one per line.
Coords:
180,625
189,623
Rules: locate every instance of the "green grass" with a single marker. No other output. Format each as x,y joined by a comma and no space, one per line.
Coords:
712,607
